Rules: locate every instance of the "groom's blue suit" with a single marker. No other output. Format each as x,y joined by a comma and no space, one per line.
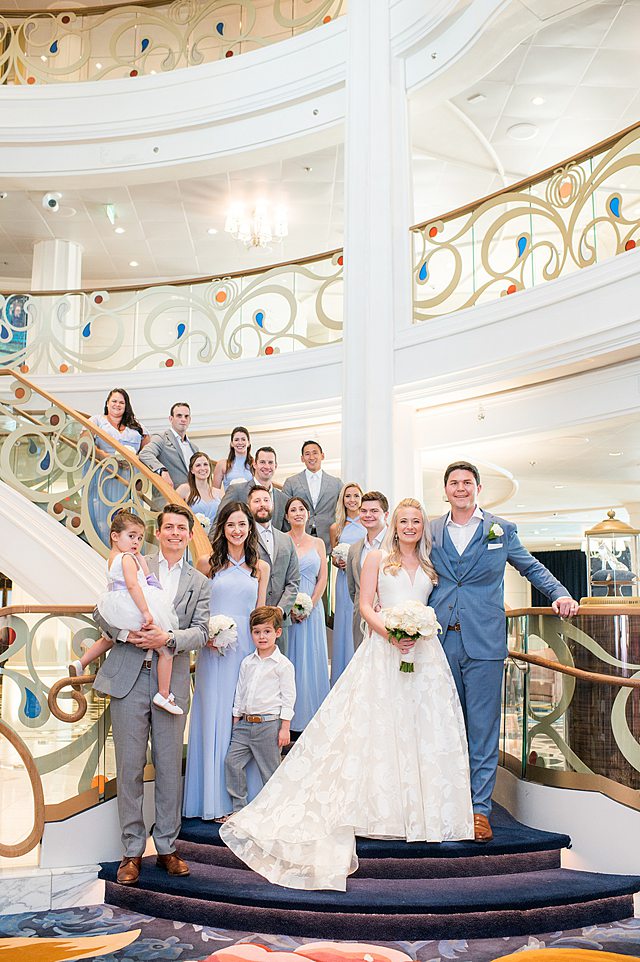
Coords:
470,593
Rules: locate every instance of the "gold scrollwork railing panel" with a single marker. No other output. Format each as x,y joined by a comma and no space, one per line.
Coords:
50,454
577,729
572,216
58,46
288,307
61,760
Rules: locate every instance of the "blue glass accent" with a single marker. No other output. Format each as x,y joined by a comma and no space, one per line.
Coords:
33,447
259,318
522,245
424,273
144,44
45,464
54,47
181,329
220,27
86,330
614,205
5,333
31,705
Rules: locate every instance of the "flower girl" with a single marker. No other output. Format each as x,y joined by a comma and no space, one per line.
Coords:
133,599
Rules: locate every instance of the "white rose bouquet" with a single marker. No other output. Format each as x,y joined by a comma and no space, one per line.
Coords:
410,620
303,605
204,520
223,633
341,551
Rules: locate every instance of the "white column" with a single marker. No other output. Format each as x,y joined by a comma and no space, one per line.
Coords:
377,244
57,266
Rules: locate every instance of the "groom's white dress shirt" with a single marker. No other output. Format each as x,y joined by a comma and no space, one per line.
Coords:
314,480
462,534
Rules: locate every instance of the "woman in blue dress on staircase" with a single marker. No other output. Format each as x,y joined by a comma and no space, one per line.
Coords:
238,465
307,636
199,492
238,585
346,530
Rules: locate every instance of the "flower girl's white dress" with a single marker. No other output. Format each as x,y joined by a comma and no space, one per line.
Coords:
118,608
385,756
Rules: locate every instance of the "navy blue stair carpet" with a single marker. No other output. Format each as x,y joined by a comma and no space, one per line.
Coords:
510,886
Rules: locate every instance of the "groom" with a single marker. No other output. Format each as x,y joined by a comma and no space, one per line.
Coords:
470,550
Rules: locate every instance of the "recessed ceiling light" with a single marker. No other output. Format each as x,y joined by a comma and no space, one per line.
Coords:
538,101
476,98
119,230
133,264
212,231
522,131
536,532
558,486
615,454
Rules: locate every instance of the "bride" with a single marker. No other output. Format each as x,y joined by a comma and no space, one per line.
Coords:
385,756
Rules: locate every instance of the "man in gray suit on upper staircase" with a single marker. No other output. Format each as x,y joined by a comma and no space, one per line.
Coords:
168,454
129,676
374,515
319,490
264,468
470,550
278,550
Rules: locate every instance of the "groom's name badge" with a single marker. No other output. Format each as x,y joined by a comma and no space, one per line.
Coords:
492,547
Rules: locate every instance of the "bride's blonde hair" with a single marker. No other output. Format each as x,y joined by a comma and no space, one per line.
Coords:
391,546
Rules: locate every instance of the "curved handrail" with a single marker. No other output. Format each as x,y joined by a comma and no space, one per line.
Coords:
592,676
35,835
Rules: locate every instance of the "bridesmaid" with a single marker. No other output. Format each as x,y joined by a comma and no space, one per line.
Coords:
308,636
346,530
199,492
238,465
238,585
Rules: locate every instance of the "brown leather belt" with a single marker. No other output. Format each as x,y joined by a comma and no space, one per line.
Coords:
455,627
258,719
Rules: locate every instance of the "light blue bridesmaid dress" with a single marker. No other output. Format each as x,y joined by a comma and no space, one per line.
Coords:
308,649
208,508
342,644
106,491
237,471
234,592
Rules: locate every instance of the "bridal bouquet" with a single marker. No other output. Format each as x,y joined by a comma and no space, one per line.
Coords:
223,633
204,521
410,620
340,551
303,605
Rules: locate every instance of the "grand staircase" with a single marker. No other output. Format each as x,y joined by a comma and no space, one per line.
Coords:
513,885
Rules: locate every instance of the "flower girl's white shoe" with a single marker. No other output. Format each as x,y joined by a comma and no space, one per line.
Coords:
168,704
76,669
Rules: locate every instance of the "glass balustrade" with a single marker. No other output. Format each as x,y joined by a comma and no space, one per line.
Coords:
572,216
70,45
289,307
575,730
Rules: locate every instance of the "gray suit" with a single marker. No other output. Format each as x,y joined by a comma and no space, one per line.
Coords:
284,579
134,719
240,492
353,570
162,454
322,516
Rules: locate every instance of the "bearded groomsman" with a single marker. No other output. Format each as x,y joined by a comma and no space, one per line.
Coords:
470,550
374,515
319,490
264,468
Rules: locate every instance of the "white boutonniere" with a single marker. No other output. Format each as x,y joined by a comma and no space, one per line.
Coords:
495,531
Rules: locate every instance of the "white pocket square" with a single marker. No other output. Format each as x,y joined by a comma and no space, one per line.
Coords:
492,547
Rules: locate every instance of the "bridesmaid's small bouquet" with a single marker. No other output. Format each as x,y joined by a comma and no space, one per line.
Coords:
203,520
223,634
410,621
341,551
303,605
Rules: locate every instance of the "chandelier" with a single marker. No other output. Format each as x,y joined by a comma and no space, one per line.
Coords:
256,230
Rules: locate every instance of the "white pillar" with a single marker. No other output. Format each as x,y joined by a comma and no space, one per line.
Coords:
377,244
57,266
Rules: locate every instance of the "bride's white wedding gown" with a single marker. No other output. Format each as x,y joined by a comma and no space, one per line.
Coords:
385,756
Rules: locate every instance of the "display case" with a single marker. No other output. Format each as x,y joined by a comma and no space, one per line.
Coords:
612,559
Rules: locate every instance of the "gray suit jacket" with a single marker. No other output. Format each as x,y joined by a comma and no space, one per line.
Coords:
284,579
123,664
322,516
240,492
161,454
353,570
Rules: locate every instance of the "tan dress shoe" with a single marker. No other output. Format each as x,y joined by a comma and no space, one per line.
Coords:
481,828
129,870
173,864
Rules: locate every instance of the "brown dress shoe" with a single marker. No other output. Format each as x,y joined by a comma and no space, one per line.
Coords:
173,864
129,870
481,828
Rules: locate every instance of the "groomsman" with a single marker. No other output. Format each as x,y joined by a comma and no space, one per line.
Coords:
374,514
470,550
168,454
319,489
264,468
278,550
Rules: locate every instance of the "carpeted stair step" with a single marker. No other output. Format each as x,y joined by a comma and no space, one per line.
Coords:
499,905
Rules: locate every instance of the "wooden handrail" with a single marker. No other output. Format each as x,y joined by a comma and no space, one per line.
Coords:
592,676
529,181
200,545
124,5
60,610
